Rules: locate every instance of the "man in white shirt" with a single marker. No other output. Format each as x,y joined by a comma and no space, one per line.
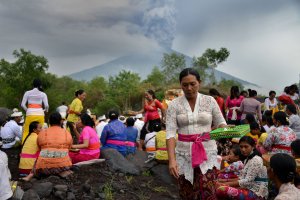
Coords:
139,123
62,109
101,124
5,176
11,132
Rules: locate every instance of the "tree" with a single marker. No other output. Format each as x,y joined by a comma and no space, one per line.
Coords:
225,85
17,77
156,78
172,65
124,87
210,59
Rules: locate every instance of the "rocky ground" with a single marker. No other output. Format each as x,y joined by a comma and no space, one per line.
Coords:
105,180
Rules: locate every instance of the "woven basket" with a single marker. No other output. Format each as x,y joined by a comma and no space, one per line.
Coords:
234,132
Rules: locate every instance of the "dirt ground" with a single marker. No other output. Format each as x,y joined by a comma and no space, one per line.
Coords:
98,182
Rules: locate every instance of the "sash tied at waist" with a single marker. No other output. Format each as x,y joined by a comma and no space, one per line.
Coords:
121,143
198,151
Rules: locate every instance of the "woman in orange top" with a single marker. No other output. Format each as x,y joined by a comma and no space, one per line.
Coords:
215,94
54,144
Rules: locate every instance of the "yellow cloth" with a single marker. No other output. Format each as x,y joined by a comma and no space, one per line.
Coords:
255,137
28,120
161,143
30,147
76,106
298,164
262,138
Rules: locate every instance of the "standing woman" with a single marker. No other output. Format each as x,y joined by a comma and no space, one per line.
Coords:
74,112
33,102
251,106
215,94
194,160
152,117
232,104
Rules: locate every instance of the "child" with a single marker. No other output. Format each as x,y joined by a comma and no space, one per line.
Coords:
150,141
30,149
234,164
254,131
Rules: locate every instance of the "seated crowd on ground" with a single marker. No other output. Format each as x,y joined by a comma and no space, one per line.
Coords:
269,153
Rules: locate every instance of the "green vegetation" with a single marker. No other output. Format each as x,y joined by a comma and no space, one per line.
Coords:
122,92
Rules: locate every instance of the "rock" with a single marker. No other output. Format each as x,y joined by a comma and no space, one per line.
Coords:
63,188
43,189
86,188
117,162
101,195
161,171
122,191
70,196
60,195
30,195
121,174
27,185
4,114
53,179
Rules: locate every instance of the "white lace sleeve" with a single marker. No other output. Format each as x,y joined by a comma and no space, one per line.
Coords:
171,122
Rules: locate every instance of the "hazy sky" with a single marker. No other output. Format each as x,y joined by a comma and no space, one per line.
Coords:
263,36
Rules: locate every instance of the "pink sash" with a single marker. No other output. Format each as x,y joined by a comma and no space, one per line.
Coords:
29,155
198,151
121,143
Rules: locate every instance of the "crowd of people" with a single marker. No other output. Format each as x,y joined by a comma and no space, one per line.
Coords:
175,131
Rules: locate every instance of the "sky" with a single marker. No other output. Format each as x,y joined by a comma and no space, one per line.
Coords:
262,36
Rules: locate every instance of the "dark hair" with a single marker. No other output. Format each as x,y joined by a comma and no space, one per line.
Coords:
287,90
272,92
244,92
254,126
55,119
293,87
236,150
86,120
37,83
281,117
269,120
268,113
63,103
33,125
113,114
234,90
151,92
79,92
295,146
130,121
291,108
189,71
213,91
250,118
252,93
283,166
156,127
249,140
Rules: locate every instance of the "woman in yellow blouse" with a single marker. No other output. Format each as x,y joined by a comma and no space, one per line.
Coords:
74,112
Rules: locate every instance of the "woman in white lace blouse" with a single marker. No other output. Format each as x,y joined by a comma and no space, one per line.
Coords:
192,116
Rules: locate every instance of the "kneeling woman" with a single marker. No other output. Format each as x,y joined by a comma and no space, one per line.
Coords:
89,143
252,183
30,150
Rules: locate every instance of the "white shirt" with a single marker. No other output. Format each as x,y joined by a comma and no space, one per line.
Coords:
180,118
294,97
62,110
9,132
35,96
269,105
150,139
99,128
139,125
5,176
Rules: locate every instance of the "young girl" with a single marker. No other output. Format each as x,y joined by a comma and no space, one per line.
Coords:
30,149
252,183
254,131
231,171
282,172
150,142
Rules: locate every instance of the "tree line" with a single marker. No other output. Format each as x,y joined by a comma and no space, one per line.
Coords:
123,91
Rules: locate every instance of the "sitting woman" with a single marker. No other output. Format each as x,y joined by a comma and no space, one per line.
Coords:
54,144
282,172
132,133
89,143
252,182
232,164
30,150
113,135
280,138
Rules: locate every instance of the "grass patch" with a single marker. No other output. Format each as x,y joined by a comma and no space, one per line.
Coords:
160,189
146,173
129,179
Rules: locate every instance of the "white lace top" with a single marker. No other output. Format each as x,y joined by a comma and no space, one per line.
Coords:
181,119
